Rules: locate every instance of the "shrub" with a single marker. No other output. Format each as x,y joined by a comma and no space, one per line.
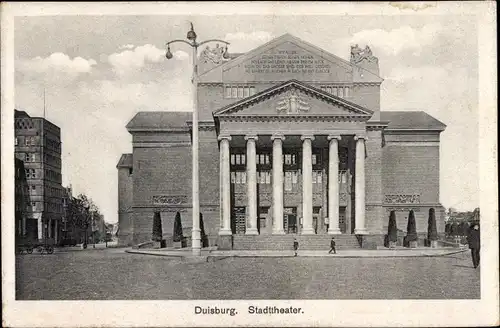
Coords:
157,230
454,229
392,231
177,228
431,226
411,229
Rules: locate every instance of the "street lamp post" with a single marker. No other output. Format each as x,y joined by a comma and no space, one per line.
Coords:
191,36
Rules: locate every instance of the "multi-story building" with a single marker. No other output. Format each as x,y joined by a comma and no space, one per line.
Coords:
38,146
292,144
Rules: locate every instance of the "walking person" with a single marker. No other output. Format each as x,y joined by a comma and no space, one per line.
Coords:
332,246
474,241
295,246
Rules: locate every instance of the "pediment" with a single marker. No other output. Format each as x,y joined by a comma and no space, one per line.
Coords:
286,58
294,98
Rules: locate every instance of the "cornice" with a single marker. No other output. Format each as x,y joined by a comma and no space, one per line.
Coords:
294,118
307,89
366,83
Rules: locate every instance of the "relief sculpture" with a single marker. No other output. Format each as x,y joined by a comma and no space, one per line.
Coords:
169,200
402,199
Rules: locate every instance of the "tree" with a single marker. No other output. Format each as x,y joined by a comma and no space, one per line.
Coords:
80,212
177,228
392,231
454,229
411,229
431,226
157,229
447,229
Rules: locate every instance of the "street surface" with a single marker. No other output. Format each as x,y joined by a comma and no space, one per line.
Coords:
112,274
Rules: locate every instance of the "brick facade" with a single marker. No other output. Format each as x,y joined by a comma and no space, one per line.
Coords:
240,97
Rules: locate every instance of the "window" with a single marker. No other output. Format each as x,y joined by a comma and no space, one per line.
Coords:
339,91
290,159
238,177
27,141
317,177
130,171
28,157
33,187
263,159
239,91
238,159
264,177
16,141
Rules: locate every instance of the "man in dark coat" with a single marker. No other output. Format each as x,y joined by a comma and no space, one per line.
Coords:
332,246
474,241
295,246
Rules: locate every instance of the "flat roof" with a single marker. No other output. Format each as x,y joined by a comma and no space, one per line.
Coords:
411,120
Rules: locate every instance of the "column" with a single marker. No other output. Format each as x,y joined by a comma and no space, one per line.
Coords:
55,230
359,218
251,185
226,186
333,185
307,184
49,228
41,233
278,183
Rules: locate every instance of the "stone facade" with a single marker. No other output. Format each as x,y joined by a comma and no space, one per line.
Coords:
291,141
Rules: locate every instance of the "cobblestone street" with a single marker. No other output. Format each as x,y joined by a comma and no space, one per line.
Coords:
112,274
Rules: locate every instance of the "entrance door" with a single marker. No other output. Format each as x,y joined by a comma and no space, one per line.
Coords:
239,220
342,222
290,220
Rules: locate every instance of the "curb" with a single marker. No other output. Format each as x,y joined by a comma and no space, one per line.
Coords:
208,258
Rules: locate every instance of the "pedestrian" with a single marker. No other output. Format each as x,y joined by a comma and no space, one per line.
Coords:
474,241
295,246
332,246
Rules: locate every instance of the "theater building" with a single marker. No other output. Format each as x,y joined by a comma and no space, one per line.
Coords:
293,144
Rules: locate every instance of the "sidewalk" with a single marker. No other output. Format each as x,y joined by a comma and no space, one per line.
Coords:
352,253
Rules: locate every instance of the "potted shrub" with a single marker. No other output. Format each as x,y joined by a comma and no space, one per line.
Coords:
204,239
411,231
157,235
392,231
432,235
178,237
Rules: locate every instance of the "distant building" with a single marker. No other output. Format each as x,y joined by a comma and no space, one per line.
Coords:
38,147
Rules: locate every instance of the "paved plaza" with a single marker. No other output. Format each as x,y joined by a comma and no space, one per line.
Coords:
112,274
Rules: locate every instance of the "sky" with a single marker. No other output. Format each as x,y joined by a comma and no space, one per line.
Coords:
98,71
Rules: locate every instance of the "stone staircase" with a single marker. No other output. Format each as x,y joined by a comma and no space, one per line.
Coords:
285,242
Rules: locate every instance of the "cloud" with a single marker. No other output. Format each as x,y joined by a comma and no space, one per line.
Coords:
181,55
128,60
395,41
56,62
243,42
127,46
